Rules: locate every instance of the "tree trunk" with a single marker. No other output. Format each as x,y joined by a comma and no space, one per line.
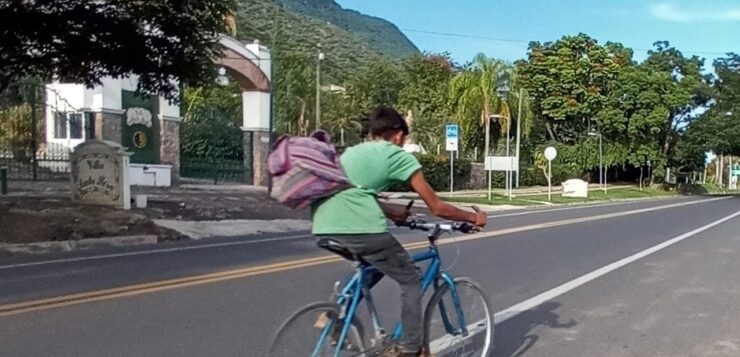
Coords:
487,121
302,122
550,130
668,135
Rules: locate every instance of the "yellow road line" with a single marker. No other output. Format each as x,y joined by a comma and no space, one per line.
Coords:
162,285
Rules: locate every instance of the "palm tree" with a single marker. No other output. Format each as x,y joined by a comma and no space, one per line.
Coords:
474,99
482,91
519,99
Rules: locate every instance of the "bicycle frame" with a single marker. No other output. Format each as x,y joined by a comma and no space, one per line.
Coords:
355,289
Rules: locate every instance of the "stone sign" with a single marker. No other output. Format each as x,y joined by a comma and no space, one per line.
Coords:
575,188
100,174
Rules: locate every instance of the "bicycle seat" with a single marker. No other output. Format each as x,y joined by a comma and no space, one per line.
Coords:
336,248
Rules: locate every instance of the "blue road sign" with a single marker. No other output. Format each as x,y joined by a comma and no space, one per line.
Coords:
452,131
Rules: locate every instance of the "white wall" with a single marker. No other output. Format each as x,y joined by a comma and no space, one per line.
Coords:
150,175
71,97
105,97
63,97
256,111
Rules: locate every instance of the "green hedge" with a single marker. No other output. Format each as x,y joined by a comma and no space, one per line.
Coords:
437,173
531,176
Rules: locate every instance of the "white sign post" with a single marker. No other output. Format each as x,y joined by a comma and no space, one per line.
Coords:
501,163
452,133
550,154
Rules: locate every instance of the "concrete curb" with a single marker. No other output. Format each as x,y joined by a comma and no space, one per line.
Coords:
82,244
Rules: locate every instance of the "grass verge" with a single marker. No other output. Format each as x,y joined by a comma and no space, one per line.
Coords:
617,194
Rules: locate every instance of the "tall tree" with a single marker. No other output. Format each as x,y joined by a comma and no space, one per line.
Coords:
374,84
718,129
690,88
425,96
474,99
83,41
568,80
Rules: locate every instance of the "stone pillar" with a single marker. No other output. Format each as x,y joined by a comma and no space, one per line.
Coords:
256,112
169,145
248,159
108,126
258,142
100,174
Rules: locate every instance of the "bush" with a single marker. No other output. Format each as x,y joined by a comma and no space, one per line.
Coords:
437,173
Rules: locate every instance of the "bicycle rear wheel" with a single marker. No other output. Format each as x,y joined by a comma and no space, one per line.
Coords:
313,331
459,326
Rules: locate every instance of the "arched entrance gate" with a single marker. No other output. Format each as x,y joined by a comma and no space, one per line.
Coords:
250,66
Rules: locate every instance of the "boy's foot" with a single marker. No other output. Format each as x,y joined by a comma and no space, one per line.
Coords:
394,350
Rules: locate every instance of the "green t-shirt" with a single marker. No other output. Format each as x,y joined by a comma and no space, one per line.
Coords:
373,167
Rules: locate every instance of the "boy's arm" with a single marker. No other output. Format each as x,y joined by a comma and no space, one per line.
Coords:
395,213
440,208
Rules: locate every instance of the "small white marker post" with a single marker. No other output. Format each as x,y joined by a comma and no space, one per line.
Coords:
550,154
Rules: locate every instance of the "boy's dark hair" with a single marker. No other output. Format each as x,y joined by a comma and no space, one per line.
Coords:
384,121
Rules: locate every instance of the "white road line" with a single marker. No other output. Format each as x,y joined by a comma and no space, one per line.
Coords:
546,210
533,302
254,241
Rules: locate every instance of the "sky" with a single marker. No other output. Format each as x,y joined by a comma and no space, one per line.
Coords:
503,28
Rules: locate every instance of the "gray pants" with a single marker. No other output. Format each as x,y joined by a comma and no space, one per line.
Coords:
387,255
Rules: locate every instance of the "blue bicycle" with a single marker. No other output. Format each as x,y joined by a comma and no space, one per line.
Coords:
457,319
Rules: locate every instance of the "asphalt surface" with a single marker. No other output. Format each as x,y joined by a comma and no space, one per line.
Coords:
681,300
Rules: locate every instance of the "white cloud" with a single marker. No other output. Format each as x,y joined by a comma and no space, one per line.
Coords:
669,12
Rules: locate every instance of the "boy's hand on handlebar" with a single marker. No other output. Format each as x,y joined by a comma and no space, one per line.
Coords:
480,218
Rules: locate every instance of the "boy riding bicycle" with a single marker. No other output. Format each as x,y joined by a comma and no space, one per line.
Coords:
356,219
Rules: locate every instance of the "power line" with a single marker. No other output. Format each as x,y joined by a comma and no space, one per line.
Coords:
460,35
488,38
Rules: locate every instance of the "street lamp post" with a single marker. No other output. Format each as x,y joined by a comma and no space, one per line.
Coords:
318,86
602,174
486,151
502,91
518,133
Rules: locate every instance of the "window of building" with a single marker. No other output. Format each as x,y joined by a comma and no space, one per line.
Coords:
74,125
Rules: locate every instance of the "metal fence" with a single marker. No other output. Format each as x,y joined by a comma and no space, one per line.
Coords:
50,162
218,170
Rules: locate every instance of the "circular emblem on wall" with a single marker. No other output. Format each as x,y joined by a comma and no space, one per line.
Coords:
140,139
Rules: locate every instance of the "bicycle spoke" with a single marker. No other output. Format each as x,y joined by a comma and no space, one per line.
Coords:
314,332
444,331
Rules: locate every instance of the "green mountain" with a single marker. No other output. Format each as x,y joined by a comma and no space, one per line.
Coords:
293,37
380,34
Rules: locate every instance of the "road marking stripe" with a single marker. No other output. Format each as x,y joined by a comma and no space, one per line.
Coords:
548,295
257,241
583,206
137,289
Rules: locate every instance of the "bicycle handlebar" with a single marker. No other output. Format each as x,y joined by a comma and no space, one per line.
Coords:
438,228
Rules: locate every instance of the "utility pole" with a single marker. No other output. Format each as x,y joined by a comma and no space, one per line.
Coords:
33,131
518,134
318,86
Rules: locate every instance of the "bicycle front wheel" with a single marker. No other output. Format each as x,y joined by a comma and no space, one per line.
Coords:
314,331
459,322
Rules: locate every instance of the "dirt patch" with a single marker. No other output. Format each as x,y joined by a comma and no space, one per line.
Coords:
26,220
43,211
209,205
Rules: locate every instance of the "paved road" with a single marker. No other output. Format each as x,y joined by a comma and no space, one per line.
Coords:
566,282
